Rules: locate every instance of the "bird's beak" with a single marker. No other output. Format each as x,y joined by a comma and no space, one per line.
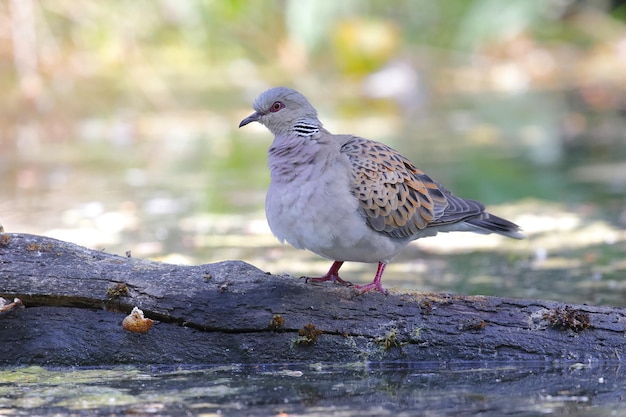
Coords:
254,117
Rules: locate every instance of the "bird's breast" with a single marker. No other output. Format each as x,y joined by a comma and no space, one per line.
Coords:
316,210
304,204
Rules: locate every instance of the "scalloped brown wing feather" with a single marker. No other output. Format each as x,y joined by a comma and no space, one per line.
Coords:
395,196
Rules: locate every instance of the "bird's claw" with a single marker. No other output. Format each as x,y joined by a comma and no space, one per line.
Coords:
370,287
328,277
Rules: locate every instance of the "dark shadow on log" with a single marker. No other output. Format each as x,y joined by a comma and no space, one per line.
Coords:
231,312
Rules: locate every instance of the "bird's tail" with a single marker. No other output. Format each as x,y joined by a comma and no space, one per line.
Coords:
489,223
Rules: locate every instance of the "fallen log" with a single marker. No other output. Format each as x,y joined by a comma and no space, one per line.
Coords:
75,300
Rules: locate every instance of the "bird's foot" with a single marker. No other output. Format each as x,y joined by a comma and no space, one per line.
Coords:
376,284
332,275
334,278
371,286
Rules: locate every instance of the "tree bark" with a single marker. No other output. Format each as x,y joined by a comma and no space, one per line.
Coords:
231,312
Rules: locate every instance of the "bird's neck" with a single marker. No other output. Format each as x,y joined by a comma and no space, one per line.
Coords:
297,156
306,128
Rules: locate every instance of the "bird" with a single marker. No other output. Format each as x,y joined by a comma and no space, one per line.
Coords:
351,199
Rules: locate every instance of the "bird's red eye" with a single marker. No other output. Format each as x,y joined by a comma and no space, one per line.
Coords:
276,106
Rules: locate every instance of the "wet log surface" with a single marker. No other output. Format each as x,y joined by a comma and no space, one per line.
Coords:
231,312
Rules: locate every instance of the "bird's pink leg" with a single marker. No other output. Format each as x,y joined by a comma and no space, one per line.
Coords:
376,284
332,275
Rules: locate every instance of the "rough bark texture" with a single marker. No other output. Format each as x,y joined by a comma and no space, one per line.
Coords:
231,312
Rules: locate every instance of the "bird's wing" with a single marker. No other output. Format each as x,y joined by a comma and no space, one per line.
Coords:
397,198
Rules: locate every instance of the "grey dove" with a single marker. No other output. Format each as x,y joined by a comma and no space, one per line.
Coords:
348,198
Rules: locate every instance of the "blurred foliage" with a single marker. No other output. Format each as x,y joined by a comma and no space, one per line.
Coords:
97,56
499,100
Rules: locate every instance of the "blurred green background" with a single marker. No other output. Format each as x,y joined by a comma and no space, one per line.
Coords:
118,128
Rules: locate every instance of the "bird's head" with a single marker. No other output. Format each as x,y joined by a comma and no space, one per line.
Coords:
280,108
